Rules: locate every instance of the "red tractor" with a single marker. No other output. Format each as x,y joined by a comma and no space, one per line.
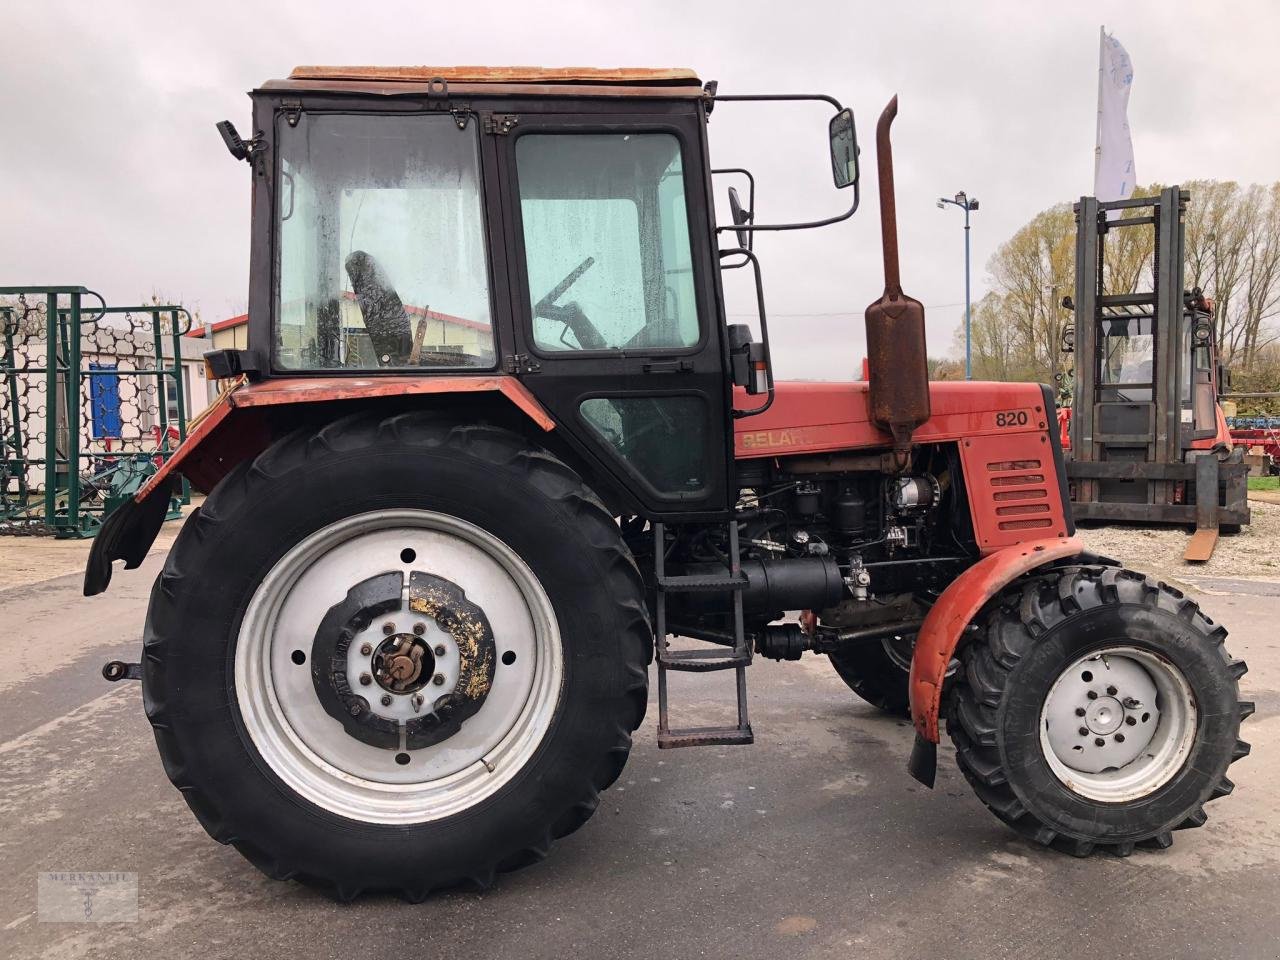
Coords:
492,437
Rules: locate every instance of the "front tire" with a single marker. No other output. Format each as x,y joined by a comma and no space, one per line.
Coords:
288,695
1099,709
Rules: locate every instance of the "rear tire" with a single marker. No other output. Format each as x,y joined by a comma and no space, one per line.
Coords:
251,753
1094,648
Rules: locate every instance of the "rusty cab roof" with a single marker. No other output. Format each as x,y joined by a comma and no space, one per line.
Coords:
666,83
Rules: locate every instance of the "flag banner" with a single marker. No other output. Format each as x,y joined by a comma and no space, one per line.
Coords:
1114,176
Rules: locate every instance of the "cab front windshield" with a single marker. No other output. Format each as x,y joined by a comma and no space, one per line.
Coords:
382,249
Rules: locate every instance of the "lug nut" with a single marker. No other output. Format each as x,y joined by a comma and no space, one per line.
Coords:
438,679
365,679
1099,742
1119,738
386,699
439,649
1080,711
1084,731
388,628
365,649
1130,721
1111,691
1131,703
1092,695
419,628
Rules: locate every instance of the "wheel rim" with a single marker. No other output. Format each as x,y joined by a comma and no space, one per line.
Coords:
311,752
1118,724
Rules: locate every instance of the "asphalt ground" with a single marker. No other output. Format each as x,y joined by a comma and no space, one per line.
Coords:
814,842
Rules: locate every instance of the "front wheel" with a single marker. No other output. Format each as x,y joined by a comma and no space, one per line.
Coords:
396,654
1099,709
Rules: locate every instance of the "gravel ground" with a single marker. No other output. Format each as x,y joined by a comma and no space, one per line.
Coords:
1254,552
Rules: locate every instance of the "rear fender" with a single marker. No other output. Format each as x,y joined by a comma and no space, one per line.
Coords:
946,622
242,423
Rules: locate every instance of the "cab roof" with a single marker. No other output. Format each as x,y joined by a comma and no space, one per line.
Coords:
479,80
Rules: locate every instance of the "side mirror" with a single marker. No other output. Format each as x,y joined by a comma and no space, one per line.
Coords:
1224,379
844,149
740,217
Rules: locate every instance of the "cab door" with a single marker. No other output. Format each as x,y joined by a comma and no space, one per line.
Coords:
616,323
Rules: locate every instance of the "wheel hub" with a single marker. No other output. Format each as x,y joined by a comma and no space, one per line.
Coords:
1104,716
403,663
373,686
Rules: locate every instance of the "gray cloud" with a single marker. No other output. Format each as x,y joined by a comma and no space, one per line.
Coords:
113,176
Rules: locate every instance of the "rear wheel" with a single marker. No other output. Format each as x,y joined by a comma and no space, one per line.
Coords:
396,654
877,671
1099,710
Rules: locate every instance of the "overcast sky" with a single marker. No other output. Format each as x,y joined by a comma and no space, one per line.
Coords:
113,176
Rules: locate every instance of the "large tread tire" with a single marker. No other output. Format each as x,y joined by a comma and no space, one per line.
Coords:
1037,628
872,674
491,477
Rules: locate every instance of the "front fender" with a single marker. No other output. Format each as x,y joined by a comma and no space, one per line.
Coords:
945,623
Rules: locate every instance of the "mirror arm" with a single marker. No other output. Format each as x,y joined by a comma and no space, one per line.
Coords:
857,196
750,257
741,97
710,98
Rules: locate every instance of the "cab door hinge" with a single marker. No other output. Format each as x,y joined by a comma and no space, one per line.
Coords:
500,124
521,363
292,111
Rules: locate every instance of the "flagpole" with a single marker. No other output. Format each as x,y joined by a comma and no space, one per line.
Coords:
1097,128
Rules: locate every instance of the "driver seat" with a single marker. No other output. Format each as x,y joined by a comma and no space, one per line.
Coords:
384,314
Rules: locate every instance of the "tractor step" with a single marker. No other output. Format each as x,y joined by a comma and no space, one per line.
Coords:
704,659
698,583
705,737
701,660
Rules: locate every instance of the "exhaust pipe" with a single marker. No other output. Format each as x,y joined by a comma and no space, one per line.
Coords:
897,364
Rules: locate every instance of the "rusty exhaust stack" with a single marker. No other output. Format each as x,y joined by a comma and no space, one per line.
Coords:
897,365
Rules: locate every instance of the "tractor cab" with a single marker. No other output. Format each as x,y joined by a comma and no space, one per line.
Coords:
555,226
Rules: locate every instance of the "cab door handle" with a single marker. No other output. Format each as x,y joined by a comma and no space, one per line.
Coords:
667,366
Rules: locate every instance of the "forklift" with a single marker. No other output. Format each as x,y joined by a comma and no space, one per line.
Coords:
1147,439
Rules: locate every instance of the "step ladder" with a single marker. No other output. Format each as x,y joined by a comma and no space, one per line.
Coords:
703,659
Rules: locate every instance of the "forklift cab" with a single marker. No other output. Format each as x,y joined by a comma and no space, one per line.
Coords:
1128,363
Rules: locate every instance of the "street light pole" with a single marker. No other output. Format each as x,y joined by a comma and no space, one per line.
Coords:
965,203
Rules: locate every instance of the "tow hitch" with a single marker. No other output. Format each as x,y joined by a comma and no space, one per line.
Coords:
114,670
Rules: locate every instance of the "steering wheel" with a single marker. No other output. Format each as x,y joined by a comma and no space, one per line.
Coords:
570,314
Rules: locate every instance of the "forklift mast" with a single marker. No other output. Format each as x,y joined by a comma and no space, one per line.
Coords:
1148,442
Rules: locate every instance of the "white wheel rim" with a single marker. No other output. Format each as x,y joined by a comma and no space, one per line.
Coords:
311,752
1118,724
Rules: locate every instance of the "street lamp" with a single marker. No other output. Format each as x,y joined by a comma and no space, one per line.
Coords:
965,203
